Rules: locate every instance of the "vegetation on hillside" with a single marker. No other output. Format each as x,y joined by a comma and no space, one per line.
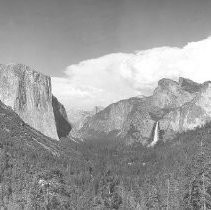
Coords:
39,173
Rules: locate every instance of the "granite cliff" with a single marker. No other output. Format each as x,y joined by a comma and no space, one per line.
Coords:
178,106
28,93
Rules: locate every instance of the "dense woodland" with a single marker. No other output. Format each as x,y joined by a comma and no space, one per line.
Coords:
104,174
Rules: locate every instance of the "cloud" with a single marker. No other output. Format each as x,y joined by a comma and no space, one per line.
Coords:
113,77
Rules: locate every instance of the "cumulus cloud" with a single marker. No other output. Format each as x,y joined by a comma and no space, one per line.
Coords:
113,77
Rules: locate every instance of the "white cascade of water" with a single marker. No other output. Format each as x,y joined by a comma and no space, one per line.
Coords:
156,135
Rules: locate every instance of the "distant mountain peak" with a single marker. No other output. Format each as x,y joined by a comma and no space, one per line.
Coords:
165,82
178,106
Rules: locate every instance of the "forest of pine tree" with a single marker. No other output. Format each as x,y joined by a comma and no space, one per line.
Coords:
106,174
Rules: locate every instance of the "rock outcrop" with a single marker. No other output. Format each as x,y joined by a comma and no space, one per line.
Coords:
28,93
178,106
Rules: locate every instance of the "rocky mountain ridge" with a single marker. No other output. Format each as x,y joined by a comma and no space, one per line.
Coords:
178,106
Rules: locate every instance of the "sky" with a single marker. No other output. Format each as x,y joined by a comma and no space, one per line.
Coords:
105,80
54,36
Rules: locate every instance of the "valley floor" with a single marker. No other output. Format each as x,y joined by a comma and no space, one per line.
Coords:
107,174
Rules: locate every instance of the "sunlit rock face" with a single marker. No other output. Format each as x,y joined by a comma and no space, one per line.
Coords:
178,106
28,93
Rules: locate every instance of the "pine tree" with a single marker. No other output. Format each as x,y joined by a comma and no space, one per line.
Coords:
108,191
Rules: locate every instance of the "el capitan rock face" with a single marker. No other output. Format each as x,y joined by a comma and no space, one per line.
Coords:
178,106
28,93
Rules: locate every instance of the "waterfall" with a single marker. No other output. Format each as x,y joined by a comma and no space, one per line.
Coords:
156,135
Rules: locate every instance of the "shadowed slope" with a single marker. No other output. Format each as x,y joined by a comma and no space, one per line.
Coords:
62,125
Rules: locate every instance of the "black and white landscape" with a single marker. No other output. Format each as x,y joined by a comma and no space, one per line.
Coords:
105,104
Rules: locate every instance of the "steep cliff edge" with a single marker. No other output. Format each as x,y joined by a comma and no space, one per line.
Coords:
28,93
178,106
